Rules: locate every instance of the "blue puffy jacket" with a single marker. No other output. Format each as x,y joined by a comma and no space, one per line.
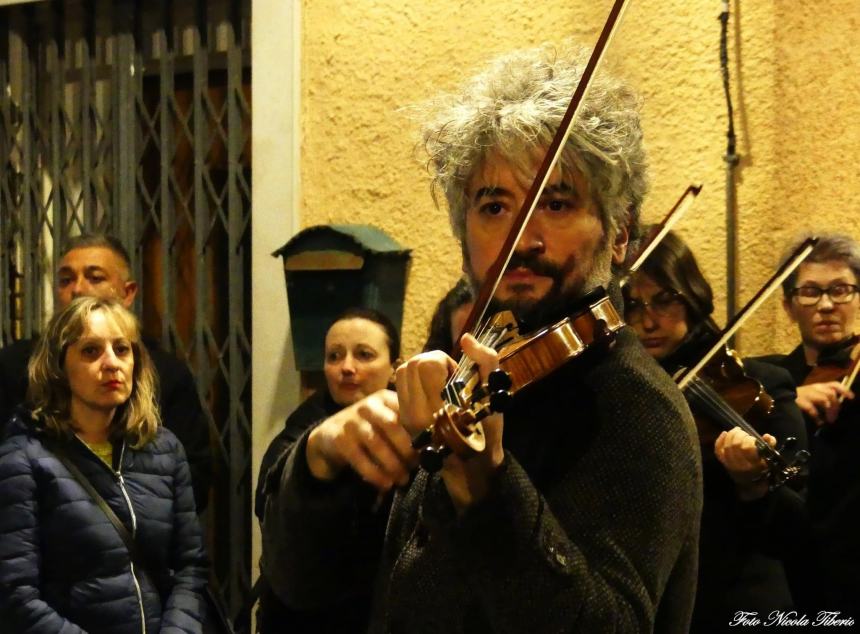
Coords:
63,566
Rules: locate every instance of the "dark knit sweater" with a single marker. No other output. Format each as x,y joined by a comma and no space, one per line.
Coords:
737,570
591,526
828,576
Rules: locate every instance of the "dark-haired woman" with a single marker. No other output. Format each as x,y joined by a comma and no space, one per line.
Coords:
322,437
669,304
92,420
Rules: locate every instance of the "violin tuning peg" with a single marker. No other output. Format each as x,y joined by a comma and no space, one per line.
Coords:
788,443
423,439
499,380
459,385
801,457
500,400
432,458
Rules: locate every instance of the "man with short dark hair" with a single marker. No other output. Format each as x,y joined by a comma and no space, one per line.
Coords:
99,266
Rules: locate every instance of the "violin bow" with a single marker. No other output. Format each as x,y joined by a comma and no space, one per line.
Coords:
849,378
681,207
758,299
553,153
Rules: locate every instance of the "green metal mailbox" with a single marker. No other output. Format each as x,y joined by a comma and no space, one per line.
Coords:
330,268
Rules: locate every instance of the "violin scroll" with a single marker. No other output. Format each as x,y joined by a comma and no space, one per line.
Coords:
459,430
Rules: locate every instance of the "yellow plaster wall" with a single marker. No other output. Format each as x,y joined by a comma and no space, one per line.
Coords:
795,82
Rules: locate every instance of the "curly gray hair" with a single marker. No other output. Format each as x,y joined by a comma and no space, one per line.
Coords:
515,107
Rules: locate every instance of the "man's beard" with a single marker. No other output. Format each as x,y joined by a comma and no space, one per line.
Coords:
559,302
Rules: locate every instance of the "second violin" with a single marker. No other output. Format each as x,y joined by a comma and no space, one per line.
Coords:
669,304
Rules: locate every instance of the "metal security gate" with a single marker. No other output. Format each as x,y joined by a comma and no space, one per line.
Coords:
133,117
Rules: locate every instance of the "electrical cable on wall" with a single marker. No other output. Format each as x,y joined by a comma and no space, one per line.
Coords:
732,159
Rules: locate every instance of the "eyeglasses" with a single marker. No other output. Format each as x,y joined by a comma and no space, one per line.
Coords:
662,304
838,294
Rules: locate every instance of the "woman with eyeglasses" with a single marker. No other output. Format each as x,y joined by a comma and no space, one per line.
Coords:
669,304
821,297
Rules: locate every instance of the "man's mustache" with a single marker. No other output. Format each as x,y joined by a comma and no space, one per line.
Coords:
535,264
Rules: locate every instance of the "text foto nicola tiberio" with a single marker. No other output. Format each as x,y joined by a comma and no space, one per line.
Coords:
790,618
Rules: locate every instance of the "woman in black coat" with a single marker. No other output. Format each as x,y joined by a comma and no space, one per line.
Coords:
669,304
362,347
64,567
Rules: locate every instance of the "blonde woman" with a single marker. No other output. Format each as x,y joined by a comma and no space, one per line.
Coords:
90,445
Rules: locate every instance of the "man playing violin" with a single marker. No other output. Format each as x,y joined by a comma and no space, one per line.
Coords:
582,514
822,298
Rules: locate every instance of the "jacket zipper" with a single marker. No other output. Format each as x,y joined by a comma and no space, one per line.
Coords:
118,475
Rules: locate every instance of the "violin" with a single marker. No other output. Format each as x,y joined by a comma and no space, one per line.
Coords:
841,366
722,393
723,397
717,386
523,359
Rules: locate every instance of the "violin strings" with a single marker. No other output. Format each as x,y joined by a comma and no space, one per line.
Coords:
488,338
714,402
488,335
465,365
709,397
